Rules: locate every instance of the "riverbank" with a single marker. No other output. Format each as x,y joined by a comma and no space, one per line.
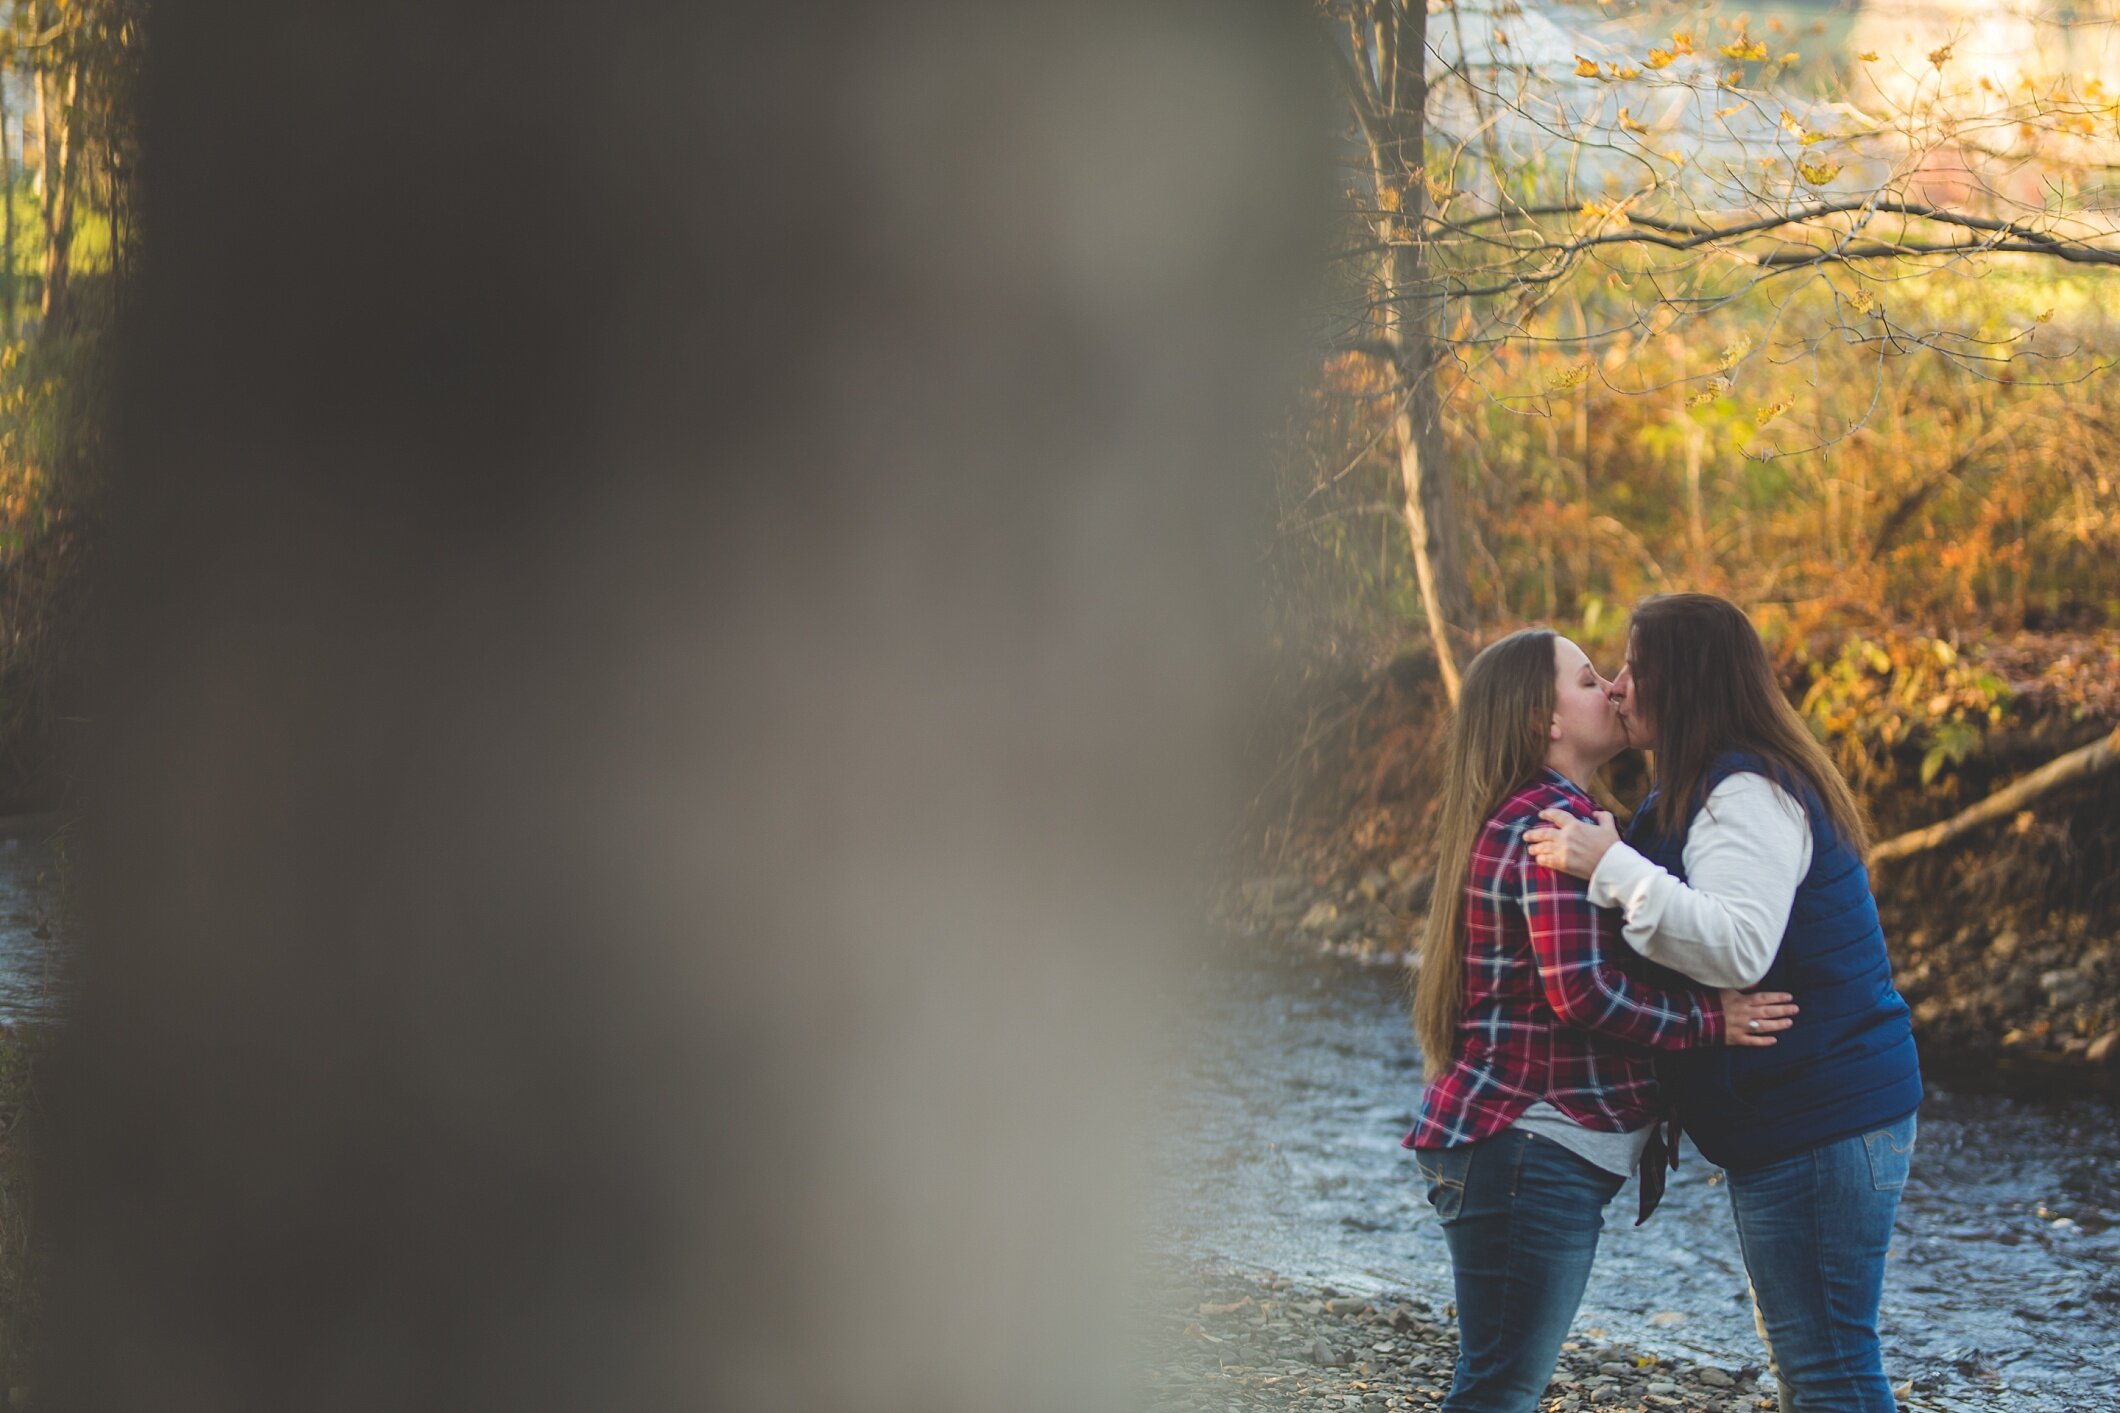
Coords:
1222,1340
2005,943
1986,996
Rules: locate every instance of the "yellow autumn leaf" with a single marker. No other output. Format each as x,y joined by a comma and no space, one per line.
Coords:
1660,58
1818,173
1626,71
1754,50
1388,198
1862,299
1570,378
1940,57
1808,138
1586,68
1675,157
1788,121
1628,124
1717,386
1792,57
2044,318
1682,41
1868,56
1732,352
1771,411
1731,79
1726,112
1597,211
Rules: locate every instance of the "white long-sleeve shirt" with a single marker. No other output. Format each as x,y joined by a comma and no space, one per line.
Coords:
1746,852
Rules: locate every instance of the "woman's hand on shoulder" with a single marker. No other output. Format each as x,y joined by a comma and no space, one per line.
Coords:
1570,845
1752,1017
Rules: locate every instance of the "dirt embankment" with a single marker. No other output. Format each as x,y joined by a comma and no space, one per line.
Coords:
2006,942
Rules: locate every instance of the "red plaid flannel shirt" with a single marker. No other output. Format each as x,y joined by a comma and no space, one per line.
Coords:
1557,1007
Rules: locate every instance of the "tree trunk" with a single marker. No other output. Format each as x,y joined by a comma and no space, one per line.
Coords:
2100,755
1696,519
1430,513
41,183
7,216
1390,94
116,180
61,159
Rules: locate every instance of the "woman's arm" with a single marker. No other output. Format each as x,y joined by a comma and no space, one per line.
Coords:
1746,852
1571,940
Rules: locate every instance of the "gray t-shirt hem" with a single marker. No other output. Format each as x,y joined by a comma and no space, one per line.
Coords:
1619,1153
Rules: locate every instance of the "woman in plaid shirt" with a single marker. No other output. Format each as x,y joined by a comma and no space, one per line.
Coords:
1536,1021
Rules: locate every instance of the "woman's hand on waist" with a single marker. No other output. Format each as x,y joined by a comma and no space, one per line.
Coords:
1751,1017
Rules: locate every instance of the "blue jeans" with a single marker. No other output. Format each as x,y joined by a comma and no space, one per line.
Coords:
1521,1216
1815,1229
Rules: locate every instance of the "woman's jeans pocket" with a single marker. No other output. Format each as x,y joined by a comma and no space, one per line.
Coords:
1891,1151
1444,1169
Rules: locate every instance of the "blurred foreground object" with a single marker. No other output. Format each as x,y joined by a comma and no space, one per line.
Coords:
676,627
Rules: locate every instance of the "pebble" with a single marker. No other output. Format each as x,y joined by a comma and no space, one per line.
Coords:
2065,987
1714,1377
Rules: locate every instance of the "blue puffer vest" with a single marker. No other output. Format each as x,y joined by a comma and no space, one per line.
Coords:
1847,1065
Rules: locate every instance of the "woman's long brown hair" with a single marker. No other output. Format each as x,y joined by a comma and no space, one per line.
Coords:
1702,673
1496,746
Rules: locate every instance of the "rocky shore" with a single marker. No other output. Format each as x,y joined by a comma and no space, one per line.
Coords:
1225,1341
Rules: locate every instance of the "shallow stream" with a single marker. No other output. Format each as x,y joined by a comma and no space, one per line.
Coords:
31,985
1298,1077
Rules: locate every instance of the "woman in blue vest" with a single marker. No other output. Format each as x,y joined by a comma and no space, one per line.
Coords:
1744,867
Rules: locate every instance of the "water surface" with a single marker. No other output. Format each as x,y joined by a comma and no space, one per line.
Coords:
32,987
1295,1079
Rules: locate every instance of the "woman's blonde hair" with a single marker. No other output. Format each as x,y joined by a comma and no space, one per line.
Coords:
1496,746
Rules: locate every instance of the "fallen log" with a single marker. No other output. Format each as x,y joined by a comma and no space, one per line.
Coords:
2079,764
